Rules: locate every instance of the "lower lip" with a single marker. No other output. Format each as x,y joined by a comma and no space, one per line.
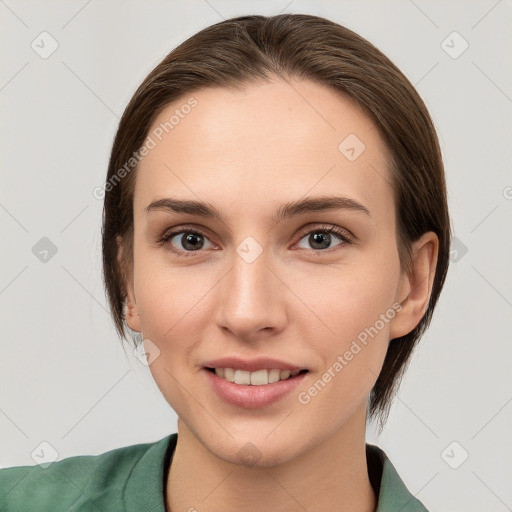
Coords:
252,397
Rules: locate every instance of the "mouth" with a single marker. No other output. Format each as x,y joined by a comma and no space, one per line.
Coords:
255,389
255,378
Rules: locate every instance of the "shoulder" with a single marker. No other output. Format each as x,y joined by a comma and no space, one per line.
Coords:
83,482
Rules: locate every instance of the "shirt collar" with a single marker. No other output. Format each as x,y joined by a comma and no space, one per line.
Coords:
387,484
146,486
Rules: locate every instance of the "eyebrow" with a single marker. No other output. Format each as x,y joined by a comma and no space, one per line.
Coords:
285,211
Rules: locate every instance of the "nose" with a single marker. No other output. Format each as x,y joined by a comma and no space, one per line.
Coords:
251,300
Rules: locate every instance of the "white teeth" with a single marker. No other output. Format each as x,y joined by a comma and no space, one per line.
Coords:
274,375
229,374
257,378
242,377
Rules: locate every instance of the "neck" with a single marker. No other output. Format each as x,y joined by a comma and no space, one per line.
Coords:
331,476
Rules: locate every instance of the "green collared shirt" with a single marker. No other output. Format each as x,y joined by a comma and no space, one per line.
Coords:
133,479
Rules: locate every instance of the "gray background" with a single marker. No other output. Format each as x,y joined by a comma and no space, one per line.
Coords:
65,378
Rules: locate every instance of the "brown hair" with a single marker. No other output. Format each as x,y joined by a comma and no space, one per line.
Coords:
241,50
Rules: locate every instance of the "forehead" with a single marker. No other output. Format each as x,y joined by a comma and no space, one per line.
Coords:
285,139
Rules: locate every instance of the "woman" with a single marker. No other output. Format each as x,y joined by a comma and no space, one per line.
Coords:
276,231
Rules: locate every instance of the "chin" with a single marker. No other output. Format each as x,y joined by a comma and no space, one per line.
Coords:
250,455
256,450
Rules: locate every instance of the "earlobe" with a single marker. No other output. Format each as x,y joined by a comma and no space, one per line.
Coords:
416,286
133,316
132,313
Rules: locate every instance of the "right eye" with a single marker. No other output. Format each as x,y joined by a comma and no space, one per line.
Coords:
185,240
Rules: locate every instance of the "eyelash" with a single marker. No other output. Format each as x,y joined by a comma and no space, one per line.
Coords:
344,235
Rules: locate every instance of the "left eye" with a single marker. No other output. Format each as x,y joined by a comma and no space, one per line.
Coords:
320,239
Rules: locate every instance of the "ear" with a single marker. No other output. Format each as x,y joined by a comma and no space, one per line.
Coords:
131,311
416,286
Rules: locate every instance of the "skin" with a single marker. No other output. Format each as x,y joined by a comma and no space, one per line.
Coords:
247,152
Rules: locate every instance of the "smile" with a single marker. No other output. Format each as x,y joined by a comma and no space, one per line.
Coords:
256,378
253,389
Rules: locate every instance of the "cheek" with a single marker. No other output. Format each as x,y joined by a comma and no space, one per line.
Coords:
346,300
172,300
353,308
352,355
172,303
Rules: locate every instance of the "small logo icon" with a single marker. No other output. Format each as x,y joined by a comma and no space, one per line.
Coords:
454,455
44,250
44,454
249,249
146,352
351,147
454,45
457,250
249,454
44,45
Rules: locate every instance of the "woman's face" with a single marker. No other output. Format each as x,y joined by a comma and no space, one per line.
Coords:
265,280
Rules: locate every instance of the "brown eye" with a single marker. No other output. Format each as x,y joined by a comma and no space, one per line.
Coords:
186,240
191,241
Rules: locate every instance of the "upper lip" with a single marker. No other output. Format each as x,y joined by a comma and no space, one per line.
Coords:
251,365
